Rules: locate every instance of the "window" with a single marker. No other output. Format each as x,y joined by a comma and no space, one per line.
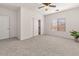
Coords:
54,25
58,24
61,24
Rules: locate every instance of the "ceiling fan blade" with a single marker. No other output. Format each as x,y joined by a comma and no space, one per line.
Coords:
46,4
41,7
52,5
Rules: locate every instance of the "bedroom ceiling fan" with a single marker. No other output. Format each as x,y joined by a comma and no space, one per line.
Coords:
46,5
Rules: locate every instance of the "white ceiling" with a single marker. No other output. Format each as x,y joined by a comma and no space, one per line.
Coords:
34,6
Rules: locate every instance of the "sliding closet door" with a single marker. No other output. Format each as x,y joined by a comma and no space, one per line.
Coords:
4,27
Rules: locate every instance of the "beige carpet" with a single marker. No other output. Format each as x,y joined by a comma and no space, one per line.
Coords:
39,46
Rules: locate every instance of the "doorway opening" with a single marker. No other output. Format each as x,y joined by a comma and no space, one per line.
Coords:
39,27
36,27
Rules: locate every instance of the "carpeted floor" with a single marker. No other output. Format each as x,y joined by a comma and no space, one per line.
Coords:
39,46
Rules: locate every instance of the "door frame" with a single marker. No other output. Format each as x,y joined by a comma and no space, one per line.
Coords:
37,27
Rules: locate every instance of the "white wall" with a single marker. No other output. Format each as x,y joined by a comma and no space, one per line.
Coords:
21,21
71,19
18,25
12,15
26,23
27,16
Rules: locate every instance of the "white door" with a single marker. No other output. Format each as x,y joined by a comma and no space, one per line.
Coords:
4,27
35,27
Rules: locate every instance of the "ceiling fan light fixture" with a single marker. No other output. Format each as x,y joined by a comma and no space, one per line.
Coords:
46,8
57,9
